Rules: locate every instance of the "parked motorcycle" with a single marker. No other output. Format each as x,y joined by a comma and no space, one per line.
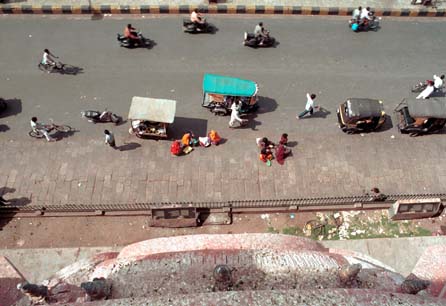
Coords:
105,116
133,43
191,27
251,41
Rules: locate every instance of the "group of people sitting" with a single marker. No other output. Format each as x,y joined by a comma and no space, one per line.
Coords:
188,141
432,85
361,18
281,151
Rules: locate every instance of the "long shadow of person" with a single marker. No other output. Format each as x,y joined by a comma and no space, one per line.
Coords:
129,146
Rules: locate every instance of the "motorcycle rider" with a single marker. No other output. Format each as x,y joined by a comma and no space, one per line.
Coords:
260,33
365,17
41,128
131,34
357,13
197,19
438,82
427,91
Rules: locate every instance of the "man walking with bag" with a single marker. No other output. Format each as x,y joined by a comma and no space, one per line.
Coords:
309,106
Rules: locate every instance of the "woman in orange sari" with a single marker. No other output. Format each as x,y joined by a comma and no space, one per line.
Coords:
215,138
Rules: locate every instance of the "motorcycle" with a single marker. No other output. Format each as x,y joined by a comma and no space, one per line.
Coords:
371,24
105,116
191,27
133,43
251,41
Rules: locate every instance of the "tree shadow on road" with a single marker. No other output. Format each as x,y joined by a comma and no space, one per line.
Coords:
13,107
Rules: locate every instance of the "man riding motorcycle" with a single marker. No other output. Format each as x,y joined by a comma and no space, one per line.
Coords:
131,34
260,33
197,19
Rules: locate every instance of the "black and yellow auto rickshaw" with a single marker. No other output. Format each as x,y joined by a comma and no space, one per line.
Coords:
358,115
417,117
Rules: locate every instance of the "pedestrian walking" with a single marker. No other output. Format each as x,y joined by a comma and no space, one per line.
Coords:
309,107
110,139
235,115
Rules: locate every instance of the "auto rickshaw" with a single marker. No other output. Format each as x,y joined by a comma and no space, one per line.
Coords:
358,115
151,117
417,117
219,92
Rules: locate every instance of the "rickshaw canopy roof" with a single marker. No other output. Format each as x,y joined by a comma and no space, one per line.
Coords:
156,110
228,86
360,107
432,107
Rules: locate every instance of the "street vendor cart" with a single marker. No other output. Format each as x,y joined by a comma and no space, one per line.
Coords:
151,117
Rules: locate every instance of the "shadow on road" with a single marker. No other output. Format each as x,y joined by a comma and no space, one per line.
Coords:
71,70
13,107
266,105
61,135
387,124
129,146
181,125
4,128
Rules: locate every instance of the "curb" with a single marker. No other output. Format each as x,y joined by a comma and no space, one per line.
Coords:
213,9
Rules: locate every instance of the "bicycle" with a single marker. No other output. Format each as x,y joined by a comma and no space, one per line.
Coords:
318,228
49,128
49,68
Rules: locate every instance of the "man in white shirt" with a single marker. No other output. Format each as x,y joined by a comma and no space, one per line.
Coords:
235,115
438,82
365,13
197,19
357,13
309,107
427,91
40,128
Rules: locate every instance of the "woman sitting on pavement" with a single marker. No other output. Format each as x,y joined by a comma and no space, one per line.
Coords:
282,152
265,143
215,138
266,155
188,139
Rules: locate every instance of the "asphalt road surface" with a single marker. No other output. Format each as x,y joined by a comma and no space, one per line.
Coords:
315,54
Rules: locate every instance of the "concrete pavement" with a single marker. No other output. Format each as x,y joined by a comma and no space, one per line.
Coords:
81,169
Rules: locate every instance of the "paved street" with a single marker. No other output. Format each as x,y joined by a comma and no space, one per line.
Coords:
319,55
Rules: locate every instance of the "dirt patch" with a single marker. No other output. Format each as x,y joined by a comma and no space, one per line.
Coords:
119,231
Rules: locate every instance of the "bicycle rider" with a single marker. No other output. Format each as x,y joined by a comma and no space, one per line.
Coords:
41,128
48,59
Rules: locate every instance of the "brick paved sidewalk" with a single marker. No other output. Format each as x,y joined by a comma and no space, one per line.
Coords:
90,172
